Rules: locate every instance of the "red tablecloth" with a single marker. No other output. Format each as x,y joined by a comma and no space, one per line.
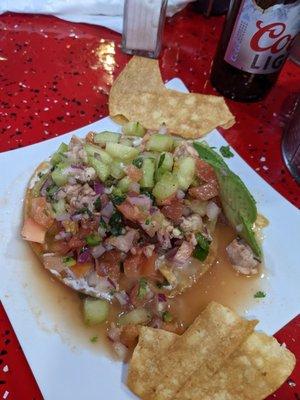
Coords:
55,76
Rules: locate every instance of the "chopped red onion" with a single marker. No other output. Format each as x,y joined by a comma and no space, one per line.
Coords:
212,211
161,297
162,130
63,217
113,333
134,187
76,217
45,186
107,210
62,235
141,201
97,251
122,297
112,283
77,167
180,194
99,188
84,257
120,350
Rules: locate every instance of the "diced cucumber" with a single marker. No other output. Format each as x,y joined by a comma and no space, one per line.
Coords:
134,129
58,156
148,173
197,206
160,143
95,311
59,207
124,184
60,175
165,187
127,141
184,169
121,151
106,136
138,316
178,141
91,150
164,163
117,169
102,169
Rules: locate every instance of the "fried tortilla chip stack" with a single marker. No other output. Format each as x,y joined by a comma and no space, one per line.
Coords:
218,357
138,94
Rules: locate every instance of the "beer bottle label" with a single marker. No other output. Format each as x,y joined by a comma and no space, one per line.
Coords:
261,39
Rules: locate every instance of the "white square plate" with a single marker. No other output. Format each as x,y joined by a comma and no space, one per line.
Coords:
67,372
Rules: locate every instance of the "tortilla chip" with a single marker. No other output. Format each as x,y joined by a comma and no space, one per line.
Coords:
207,343
253,372
188,115
144,362
138,94
132,80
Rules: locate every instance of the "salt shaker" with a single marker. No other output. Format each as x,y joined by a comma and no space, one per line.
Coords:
143,27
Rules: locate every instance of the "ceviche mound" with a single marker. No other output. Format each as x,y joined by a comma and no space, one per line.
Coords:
129,221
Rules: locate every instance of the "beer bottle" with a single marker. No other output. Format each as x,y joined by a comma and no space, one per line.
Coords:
256,40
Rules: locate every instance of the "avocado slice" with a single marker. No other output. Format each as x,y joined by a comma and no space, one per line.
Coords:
238,204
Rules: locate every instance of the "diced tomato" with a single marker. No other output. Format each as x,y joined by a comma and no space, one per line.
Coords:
148,267
41,212
108,265
75,243
81,270
88,227
32,231
133,213
204,171
129,336
60,247
133,173
172,327
133,265
205,192
174,210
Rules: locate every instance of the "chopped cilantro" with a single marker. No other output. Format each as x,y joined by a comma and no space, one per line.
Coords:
138,162
94,339
142,291
97,204
202,247
148,221
259,295
102,223
40,175
69,261
161,160
116,223
93,240
226,152
167,316
117,199
162,284
84,210
147,192
51,192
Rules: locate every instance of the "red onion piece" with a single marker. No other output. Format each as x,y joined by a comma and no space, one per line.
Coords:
122,297
76,217
84,257
141,201
134,187
63,217
161,297
180,194
99,188
107,210
112,283
212,211
45,186
97,251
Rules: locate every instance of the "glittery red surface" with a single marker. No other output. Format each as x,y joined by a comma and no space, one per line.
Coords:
55,76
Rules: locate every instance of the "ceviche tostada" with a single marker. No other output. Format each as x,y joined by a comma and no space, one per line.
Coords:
129,221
